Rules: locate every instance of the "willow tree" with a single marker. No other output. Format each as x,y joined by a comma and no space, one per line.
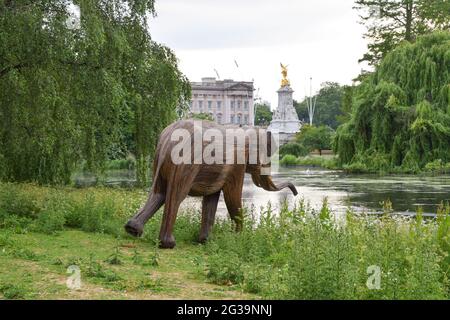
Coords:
401,113
71,95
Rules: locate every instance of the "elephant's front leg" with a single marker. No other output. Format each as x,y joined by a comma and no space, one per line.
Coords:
232,193
209,208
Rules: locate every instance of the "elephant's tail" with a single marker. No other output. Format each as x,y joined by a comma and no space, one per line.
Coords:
157,164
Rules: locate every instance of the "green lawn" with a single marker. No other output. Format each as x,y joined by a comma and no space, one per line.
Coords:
34,266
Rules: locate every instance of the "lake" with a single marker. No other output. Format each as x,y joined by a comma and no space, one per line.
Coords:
362,193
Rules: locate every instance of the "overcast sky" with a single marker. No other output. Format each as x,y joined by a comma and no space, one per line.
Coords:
320,39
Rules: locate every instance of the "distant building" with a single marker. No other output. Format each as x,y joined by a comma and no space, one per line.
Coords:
227,101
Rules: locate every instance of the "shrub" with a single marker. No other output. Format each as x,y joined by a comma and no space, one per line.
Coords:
225,268
17,201
121,164
92,210
50,221
288,160
438,166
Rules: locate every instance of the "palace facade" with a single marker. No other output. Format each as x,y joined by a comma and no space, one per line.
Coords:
227,101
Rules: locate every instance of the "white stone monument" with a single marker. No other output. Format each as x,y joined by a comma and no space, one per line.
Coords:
285,119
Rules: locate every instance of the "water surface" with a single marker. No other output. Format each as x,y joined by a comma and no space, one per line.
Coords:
362,193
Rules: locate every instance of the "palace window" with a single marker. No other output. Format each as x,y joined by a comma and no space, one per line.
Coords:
245,105
239,105
232,105
219,105
200,106
232,118
246,119
239,119
209,105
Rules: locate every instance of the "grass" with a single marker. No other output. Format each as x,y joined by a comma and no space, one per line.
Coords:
303,254
291,254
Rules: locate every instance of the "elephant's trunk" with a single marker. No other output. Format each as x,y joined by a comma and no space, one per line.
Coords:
267,184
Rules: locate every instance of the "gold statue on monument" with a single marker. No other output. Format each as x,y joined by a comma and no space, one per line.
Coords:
285,81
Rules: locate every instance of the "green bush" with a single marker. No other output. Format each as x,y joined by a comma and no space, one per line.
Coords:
289,160
17,201
225,268
96,217
438,166
121,164
50,221
313,161
47,210
310,161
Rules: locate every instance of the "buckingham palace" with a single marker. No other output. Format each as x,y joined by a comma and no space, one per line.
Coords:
227,101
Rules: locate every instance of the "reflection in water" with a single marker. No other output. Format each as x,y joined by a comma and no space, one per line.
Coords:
359,192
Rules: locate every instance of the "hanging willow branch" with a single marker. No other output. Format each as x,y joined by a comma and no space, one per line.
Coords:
82,96
401,113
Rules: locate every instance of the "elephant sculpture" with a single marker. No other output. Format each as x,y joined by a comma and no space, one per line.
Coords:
173,181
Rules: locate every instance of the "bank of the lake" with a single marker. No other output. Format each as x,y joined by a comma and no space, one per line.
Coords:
331,162
298,253
358,192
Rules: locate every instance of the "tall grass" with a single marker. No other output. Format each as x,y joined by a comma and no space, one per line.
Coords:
308,254
28,207
297,253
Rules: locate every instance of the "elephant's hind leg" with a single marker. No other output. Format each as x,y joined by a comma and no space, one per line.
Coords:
135,226
209,208
178,186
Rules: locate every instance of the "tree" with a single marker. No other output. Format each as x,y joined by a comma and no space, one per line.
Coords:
346,105
390,22
71,96
202,116
315,138
302,111
293,148
400,114
263,114
328,106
